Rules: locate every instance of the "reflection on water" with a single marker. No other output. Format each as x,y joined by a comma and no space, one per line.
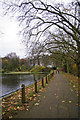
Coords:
11,82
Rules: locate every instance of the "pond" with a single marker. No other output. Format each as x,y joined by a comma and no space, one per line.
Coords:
12,82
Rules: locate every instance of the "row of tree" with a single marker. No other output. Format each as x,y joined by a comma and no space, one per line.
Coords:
12,62
49,28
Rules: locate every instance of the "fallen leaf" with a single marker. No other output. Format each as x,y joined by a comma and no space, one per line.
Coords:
36,104
12,102
21,108
70,101
57,96
63,101
50,108
71,90
19,95
34,95
30,98
15,108
34,98
8,109
4,100
44,96
16,103
28,106
77,95
39,95
18,107
3,113
38,100
10,117
25,104
27,109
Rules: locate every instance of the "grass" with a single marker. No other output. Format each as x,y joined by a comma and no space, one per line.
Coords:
18,73
31,94
23,73
73,80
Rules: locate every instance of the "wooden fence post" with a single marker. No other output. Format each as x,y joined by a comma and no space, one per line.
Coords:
47,77
42,82
23,93
46,80
35,84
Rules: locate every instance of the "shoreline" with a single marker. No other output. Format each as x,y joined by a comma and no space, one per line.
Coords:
23,73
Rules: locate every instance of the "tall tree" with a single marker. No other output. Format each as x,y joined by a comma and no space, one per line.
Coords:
38,17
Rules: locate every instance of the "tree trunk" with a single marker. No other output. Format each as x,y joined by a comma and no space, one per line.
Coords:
38,60
34,61
67,66
78,65
78,60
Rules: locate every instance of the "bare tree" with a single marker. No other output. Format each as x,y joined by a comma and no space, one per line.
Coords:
37,17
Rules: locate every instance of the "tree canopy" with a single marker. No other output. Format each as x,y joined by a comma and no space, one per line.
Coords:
42,21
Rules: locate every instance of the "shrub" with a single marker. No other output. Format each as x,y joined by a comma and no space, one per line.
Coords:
37,68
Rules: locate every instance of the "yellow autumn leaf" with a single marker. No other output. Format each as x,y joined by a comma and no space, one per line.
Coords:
39,95
25,104
57,96
71,90
28,106
34,95
16,103
35,99
36,104
44,96
21,108
74,86
77,95
4,100
38,100
18,107
3,113
70,101
15,109
10,117
50,108
63,101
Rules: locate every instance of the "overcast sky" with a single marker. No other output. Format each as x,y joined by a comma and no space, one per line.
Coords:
9,39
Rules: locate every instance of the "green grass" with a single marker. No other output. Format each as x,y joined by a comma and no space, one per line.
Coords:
39,87
31,94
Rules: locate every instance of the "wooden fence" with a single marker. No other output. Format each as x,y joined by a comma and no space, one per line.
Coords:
44,79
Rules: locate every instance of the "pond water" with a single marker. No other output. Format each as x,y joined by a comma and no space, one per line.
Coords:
12,82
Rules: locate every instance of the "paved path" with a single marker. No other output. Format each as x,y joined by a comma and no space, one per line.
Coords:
57,101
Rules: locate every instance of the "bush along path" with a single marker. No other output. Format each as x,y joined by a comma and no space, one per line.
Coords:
13,103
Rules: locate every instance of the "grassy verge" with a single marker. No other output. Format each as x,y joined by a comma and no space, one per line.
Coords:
24,73
73,81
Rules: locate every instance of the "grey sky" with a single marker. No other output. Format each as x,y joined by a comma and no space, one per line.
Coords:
9,40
